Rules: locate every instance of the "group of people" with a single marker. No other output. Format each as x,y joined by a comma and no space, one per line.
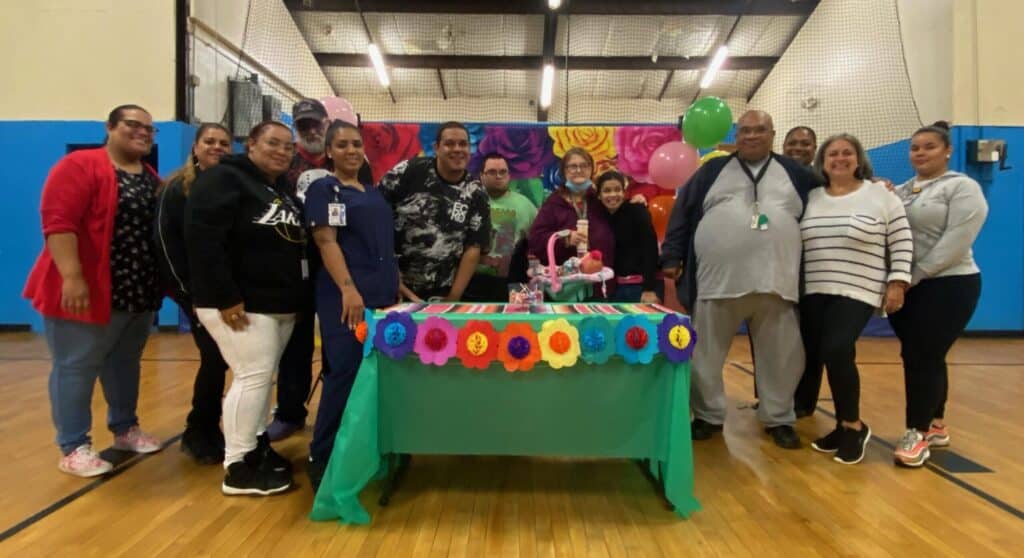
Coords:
805,248
252,246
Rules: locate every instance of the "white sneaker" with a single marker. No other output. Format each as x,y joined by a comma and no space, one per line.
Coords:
138,441
84,462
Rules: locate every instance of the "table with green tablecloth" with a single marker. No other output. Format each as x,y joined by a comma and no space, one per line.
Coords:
619,399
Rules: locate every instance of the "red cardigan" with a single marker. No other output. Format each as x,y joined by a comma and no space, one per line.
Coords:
80,196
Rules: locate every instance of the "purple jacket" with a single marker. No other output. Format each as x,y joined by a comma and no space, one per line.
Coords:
557,214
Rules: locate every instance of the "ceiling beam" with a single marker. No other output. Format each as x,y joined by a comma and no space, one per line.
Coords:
634,63
576,7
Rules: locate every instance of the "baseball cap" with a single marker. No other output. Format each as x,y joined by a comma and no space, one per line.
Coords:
308,108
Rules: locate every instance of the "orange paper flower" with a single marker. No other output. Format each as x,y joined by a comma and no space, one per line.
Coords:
597,140
477,344
518,347
559,343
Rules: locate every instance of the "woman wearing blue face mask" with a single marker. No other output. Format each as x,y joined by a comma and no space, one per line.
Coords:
566,207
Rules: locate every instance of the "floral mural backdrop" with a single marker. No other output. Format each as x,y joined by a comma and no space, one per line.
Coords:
533,151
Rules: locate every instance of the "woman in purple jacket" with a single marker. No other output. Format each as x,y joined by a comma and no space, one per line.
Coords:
568,204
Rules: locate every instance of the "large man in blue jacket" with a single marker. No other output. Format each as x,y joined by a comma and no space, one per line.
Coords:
734,235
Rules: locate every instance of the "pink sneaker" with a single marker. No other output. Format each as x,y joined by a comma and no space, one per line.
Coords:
136,440
83,462
937,436
912,449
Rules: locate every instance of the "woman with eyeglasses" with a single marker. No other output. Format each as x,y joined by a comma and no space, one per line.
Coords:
246,245
202,439
96,285
574,207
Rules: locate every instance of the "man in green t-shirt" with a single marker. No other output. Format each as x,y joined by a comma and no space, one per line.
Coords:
511,216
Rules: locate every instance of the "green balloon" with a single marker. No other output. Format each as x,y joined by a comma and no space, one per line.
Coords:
707,122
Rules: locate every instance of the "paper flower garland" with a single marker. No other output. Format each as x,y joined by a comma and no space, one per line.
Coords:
596,340
518,347
635,339
477,344
395,334
676,338
435,341
559,343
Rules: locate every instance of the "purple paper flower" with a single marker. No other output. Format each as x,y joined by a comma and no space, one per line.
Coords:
395,334
676,337
435,341
526,148
636,144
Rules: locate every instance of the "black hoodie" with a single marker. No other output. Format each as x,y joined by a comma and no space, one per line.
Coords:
245,240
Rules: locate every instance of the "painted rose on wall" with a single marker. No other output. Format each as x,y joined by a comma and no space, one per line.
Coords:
636,144
428,135
387,145
597,140
528,149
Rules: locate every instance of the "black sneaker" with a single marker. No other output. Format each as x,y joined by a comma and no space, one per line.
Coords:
784,436
703,430
828,443
803,413
852,444
316,470
269,457
203,445
247,477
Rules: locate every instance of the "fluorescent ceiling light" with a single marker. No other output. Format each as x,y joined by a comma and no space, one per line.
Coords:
546,85
378,64
716,63
554,4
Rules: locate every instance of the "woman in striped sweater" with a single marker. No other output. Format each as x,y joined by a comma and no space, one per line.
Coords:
857,256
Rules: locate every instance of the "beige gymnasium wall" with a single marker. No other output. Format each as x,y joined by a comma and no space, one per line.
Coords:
988,63
77,59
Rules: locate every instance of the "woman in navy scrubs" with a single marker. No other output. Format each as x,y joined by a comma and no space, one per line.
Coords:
354,230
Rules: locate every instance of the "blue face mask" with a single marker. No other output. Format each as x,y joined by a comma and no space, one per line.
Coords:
578,188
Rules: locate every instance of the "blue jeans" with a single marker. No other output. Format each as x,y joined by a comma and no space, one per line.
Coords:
84,352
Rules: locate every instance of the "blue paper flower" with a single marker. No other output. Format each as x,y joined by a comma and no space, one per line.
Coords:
371,326
596,339
636,339
676,337
395,334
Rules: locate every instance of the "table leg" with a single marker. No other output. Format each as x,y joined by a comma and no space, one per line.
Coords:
397,465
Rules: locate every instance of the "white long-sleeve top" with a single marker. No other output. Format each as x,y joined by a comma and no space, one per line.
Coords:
855,244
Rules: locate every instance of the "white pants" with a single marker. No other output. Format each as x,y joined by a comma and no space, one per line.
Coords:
253,355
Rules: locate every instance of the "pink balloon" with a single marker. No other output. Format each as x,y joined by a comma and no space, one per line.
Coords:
672,164
339,109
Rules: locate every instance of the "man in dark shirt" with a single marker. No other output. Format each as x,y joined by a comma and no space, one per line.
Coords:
295,373
442,218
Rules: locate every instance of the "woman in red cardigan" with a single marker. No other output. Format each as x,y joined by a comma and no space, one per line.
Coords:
96,285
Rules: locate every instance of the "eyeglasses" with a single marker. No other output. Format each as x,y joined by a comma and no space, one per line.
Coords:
499,173
136,125
577,167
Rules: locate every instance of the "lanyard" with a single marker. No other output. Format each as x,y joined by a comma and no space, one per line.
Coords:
758,220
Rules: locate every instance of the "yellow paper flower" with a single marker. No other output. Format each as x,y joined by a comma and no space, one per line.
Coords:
559,343
597,140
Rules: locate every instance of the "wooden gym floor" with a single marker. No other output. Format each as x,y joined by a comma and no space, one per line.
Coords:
758,500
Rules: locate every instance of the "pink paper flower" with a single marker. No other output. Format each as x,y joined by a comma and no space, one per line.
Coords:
435,341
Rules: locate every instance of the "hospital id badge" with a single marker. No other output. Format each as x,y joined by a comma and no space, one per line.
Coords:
336,214
759,222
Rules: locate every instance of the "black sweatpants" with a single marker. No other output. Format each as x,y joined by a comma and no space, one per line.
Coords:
830,326
934,314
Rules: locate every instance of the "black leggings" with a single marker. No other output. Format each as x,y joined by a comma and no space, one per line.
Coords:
830,326
933,316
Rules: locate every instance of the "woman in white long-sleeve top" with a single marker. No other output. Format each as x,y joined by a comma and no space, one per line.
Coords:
857,254
946,211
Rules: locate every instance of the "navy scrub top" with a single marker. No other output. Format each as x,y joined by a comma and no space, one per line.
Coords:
366,234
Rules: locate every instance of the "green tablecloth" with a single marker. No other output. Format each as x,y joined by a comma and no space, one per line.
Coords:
614,410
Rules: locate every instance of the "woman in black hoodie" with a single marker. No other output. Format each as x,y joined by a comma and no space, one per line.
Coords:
202,439
245,243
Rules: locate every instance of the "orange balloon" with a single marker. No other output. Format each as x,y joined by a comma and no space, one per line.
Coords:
660,209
